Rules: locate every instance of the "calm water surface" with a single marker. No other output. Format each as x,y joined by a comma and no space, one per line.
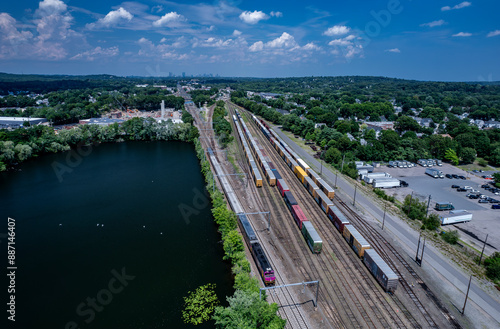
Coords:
101,240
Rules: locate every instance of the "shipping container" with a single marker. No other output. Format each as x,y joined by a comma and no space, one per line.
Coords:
271,179
310,186
282,187
337,217
257,177
312,237
303,164
323,201
298,215
314,176
270,164
277,174
381,271
327,189
357,242
289,200
300,173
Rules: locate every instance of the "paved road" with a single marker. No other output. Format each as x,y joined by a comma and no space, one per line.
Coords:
408,237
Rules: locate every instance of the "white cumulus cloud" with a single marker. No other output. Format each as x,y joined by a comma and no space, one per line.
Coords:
337,30
113,18
493,33
459,6
253,17
393,50
168,19
276,14
434,23
257,46
311,46
284,41
50,7
236,33
462,34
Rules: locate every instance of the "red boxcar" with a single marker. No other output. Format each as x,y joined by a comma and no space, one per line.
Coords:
338,219
299,216
282,187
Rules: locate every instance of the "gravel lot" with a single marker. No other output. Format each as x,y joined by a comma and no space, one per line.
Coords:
484,219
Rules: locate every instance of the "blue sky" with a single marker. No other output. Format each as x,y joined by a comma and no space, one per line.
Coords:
446,40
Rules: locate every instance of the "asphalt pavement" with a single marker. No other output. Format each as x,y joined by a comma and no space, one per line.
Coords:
407,236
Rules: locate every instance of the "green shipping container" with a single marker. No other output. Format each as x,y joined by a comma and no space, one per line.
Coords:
312,237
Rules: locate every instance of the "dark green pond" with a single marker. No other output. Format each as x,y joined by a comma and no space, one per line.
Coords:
103,239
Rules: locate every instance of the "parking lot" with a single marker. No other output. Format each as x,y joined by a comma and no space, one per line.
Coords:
484,219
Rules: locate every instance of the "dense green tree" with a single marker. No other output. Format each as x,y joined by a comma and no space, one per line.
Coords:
467,155
200,304
451,156
247,311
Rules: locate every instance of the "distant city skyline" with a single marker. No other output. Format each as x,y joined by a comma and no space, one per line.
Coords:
444,40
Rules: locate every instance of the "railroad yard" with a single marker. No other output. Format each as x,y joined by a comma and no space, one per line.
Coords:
349,295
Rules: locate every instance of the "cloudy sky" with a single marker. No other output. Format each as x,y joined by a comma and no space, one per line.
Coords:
445,40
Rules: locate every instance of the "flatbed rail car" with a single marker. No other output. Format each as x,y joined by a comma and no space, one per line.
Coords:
381,271
357,242
312,237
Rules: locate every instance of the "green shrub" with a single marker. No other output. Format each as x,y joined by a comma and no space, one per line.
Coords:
451,237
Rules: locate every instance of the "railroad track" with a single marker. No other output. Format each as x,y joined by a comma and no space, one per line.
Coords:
386,250
289,307
367,291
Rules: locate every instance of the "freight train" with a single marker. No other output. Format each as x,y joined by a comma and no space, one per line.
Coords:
308,231
323,193
266,271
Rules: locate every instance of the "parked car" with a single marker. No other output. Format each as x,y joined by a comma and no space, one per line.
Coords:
448,176
495,206
494,201
467,187
483,201
486,186
482,196
404,184
454,176
472,196
462,177
455,186
461,189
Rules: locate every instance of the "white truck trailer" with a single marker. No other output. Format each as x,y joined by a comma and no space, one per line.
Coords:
436,173
386,182
455,217
368,178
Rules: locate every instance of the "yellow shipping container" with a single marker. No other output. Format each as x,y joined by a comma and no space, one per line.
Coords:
301,174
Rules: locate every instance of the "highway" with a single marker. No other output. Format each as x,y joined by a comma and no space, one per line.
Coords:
442,267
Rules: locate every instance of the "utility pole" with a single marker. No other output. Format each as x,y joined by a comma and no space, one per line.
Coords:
355,190
383,219
482,252
467,295
428,203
